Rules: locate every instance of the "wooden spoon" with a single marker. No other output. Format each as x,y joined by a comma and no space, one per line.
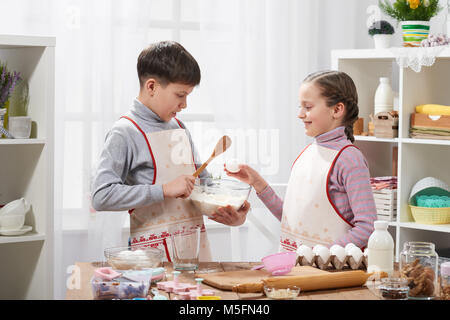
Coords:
222,145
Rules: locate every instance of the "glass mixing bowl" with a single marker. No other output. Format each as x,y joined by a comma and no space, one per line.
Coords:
134,257
209,194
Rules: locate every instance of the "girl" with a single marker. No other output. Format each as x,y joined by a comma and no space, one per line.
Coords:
328,199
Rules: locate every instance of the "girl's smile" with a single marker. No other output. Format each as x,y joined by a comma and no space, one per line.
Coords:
317,117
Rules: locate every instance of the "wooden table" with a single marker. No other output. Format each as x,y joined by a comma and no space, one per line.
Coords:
85,271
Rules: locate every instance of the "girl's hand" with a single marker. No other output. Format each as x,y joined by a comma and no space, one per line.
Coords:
230,217
250,176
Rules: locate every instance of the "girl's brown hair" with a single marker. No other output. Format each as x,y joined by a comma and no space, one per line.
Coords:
337,86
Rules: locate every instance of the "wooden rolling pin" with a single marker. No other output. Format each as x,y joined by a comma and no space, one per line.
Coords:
330,280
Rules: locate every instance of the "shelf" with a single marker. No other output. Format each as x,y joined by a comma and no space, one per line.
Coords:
426,141
375,139
403,140
384,54
379,54
30,236
21,41
429,227
22,141
392,224
28,269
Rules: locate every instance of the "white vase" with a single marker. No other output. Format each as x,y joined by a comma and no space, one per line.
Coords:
384,97
20,127
382,41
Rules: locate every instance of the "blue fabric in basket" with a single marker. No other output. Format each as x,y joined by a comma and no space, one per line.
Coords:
433,201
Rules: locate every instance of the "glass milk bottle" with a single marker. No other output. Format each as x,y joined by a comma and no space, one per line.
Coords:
384,97
380,249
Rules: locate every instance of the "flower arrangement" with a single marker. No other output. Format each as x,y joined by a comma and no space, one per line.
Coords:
381,27
8,81
410,10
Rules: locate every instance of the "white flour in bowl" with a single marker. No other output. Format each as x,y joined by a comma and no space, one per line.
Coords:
207,203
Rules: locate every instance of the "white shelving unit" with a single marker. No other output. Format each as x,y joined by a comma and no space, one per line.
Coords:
26,170
417,158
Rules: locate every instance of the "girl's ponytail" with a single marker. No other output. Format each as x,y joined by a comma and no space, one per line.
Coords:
349,133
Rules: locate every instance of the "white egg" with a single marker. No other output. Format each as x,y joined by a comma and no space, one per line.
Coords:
338,251
306,252
317,248
366,252
322,252
232,165
348,247
356,253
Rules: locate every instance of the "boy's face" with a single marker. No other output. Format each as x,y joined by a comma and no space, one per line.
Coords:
317,117
167,101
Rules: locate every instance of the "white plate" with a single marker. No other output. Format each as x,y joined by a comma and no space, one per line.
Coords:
17,232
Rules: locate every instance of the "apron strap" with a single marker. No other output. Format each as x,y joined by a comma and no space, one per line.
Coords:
300,155
148,145
328,180
193,160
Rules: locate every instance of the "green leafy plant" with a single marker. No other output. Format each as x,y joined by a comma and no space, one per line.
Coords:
381,27
410,10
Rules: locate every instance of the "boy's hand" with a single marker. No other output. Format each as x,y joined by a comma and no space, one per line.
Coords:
250,176
181,187
227,215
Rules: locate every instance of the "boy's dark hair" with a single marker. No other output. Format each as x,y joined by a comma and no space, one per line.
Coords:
337,86
168,62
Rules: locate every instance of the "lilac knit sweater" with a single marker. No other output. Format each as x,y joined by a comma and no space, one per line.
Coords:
349,189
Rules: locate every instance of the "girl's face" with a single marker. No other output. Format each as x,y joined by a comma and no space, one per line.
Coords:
317,117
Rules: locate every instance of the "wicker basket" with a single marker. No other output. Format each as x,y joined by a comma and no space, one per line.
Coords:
429,186
430,215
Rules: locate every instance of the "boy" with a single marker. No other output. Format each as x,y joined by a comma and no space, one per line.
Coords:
148,159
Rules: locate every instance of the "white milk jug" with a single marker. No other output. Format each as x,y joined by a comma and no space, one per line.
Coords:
380,249
384,97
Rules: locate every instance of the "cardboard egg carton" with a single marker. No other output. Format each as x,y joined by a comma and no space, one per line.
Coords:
333,262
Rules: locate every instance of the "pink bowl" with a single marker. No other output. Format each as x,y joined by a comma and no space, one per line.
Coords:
280,263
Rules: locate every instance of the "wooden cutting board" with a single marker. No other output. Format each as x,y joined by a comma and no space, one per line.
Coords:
228,279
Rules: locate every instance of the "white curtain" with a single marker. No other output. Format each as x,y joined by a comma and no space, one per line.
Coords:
253,55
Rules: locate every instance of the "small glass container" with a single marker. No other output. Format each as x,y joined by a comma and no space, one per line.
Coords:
394,289
445,281
419,265
288,293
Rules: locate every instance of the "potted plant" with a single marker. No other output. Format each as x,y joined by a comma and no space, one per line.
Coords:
382,32
414,17
8,81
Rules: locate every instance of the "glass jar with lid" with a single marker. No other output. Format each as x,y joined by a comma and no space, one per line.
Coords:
419,264
445,281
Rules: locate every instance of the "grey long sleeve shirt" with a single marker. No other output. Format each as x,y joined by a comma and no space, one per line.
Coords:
124,175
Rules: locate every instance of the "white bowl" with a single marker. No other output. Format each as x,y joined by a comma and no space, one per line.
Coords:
16,207
14,222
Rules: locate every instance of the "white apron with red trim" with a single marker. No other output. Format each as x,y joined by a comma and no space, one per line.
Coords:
309,217
172,157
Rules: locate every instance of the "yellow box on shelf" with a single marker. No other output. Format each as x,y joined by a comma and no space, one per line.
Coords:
433,109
